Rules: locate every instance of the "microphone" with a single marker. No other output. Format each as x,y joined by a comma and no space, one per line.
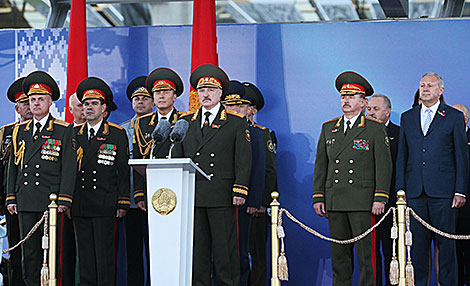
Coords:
160,133
179,131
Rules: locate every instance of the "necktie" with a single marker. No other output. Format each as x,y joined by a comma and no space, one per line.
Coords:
205,127
427,121
163,118
348,127
38,130
92,134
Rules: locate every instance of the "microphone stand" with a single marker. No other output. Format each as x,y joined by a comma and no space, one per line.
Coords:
171,148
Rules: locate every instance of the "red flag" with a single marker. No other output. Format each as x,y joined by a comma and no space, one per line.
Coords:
77,61
204,45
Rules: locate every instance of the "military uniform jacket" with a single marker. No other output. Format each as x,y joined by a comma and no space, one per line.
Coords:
143,143
40,167
258,167
270,143
5,149
224,153
103,172
352,171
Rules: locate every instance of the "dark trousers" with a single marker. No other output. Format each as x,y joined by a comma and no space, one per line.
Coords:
95,247
257,246
137,243
215,232
66,246
385,242
463,251
15,277
243,237
345,225
438,213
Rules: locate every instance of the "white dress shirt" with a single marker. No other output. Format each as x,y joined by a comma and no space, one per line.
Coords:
213,112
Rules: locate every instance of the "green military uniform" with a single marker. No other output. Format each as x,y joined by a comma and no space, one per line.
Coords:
224,153
102,187
39,165
351,172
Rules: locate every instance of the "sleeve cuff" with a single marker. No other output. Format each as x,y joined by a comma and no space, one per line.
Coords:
139,196
65,200
381,196
459,194
124,203
240,191
11,199
318,197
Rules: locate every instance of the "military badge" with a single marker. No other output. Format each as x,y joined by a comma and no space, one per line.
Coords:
330,142
46,136
391,138
335,130
74,144
100,138
387,141
216,126
441,113
361,144
107,154
270,146
50,150
247,135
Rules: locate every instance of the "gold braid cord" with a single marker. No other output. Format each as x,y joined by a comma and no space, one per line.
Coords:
435,230
314,232
30,233
394,274
409,270
143,148
19,153
45,247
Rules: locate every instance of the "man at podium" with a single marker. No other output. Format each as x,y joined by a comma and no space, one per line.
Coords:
218,141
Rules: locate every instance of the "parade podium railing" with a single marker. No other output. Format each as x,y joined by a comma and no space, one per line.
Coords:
170,208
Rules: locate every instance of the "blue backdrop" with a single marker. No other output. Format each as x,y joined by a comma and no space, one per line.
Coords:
294,65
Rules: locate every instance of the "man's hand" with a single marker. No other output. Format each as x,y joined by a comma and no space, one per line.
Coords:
261,212
12,209
120,213
238,201
458,201
141,206
64,209
251,210
320,209
378,208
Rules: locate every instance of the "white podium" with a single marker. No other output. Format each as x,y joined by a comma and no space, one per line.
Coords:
170,207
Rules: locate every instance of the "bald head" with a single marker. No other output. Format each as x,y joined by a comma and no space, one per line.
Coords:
464,109
76,108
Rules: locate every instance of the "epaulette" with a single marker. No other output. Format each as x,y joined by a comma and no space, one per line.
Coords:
9,125
331,120
78,125
184,114
24,122
229,111
260,127
143,116
115,125
373,119
61,123
181,113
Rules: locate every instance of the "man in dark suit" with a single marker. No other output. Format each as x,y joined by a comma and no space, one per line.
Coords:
380,107
432,168
102,188
136,219
42,162
16,95
218,141
463,220
351,180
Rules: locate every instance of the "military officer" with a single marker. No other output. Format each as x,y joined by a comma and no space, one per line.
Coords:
136,219
232,99
41,163
259,221
16,95
166,86
102,189
351,179
76,108
218,141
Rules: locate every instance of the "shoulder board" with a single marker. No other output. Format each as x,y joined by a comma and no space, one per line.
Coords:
61,123
184,114
181,112
79,125
10,125
231,112
125,122
146,115
331,120
115,125
24,122
373,119
260,127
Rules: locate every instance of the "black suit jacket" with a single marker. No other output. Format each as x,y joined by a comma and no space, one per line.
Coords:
5,149
103,172
393,132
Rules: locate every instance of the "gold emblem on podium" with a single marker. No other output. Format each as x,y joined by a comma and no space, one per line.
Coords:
164,201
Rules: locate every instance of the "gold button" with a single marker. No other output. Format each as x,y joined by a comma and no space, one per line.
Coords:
211,175
212,155
197,154
25,183
83,171
37,183
351,161
37,174
26,166
336,171
94,187
25,174
83,186
37,166
83,179
337,161
197,163
94,171
336,181
94,179
211,164
351,181
351,171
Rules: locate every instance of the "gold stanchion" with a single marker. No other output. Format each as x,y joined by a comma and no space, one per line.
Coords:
401,207
52,239
274,239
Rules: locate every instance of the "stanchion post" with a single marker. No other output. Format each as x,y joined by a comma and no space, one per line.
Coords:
52,239
274,239
401,206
